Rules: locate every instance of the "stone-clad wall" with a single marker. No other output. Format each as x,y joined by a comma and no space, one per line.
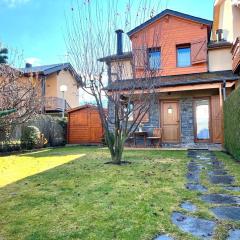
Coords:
186,117
154,117
187,122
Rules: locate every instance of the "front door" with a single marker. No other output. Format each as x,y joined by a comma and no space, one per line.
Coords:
170,121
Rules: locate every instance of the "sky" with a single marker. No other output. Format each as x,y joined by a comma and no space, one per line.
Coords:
37,27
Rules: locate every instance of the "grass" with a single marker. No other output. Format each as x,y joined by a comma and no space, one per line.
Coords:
69,193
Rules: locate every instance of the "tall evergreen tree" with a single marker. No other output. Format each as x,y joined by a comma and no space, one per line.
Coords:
3,55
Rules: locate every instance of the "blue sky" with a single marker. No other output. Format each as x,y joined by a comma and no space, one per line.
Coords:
36,27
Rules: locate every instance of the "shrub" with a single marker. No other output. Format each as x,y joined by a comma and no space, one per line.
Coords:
31,137
232,124
53,128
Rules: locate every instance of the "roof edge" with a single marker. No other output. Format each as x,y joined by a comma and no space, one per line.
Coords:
173,13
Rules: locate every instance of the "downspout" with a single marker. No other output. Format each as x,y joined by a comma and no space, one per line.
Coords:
224,90
43,93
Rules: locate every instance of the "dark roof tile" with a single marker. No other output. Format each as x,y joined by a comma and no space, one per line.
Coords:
178,80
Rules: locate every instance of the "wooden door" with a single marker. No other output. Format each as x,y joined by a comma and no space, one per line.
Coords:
78,127
85,127
170,122
95,127
216,112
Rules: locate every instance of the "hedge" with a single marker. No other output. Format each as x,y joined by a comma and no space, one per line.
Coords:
232,124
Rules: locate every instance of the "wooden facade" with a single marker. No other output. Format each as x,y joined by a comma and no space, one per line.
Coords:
84,125
190,97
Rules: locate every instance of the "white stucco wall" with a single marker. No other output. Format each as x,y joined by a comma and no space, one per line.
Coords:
220,59
227,17
123,68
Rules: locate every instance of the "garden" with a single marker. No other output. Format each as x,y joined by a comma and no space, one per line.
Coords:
70,193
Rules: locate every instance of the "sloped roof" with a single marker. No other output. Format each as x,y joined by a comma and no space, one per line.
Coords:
124,56
49,69
177,80
83,107
173,13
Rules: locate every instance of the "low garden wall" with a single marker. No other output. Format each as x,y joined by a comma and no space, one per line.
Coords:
232,124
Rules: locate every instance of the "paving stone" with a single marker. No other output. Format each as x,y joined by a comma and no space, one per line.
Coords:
163,237
196,187
189,207
198,227
215,179
218,172
194,167
193,177
221,199
227,213
234,234
233,188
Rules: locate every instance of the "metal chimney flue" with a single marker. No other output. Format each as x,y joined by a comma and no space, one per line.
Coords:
219,33
28,65
119,33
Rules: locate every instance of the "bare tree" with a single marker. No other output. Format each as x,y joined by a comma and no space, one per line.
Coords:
19,97
90,38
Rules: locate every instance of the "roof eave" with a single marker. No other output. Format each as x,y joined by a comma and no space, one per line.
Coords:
173,13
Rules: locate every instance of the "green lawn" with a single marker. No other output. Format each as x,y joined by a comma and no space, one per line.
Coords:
69,193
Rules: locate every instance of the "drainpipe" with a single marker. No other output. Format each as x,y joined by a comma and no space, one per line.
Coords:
43,93
224,90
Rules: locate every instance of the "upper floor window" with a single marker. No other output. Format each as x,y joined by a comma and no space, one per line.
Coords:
184,56
154,58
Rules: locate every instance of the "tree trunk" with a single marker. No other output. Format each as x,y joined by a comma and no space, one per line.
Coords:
116,149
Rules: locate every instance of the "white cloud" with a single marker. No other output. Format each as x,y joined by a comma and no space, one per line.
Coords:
14,3
33,60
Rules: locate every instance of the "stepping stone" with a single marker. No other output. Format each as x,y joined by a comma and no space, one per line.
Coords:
234,234
233,188
204,158
198,227
194,167
218,172
193,177
163,237
227,213
189,207
196,187
220,199
215,179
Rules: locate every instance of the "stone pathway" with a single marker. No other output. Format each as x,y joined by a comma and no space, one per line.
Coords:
227,205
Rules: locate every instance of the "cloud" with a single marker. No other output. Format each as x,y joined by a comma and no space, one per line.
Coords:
14,3
33,60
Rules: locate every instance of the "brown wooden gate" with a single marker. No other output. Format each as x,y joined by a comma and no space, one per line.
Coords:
84,125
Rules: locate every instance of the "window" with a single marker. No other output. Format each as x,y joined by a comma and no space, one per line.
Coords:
130,117
154,58
202,119
183,56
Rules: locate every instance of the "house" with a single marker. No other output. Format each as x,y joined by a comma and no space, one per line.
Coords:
190,86
51,78
224,48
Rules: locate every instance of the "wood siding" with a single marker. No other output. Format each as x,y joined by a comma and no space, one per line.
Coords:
84,126
166,34
217,119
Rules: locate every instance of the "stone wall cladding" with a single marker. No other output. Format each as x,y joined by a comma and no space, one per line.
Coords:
187,121
154,117
186,116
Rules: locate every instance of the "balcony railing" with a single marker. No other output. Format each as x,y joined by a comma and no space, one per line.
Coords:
236,55
55,104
